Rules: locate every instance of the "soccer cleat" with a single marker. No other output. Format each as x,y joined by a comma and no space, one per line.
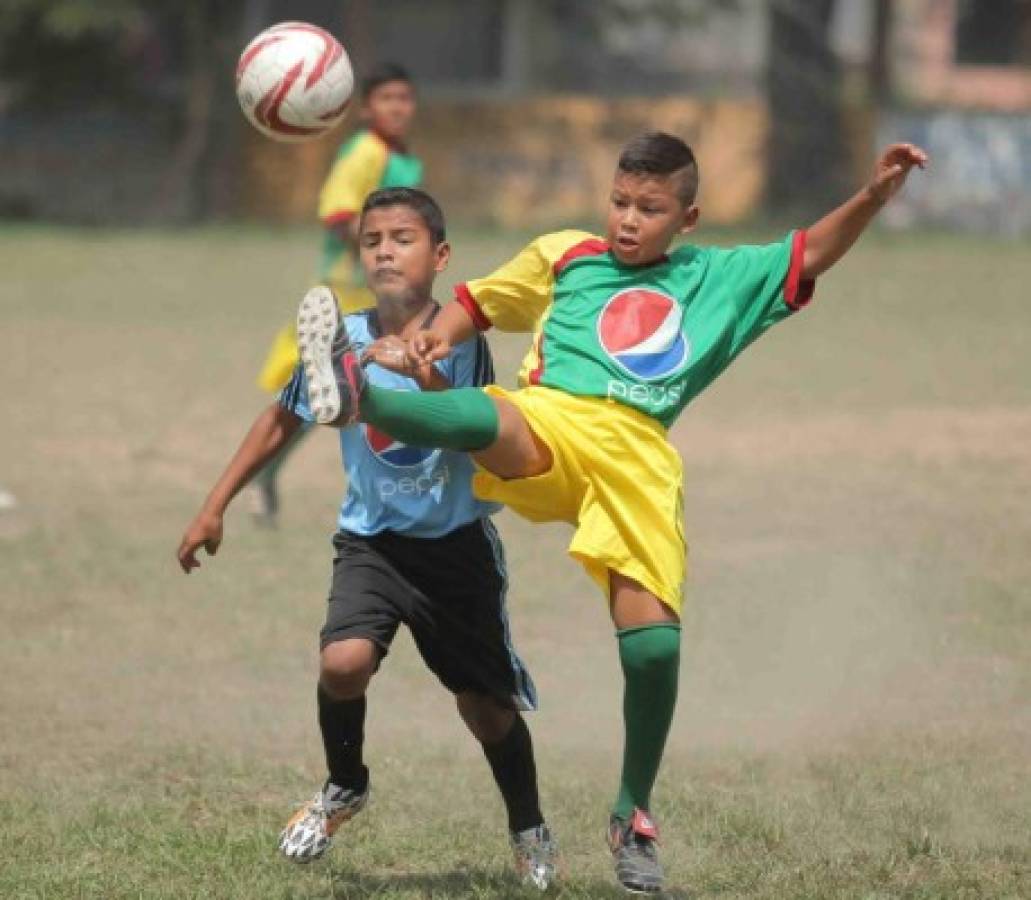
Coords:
310,830
335,377
536,856
634,849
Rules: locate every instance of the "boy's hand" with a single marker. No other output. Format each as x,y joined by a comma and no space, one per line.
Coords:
204,531
428,347
392,353
830,238
892,169
395,354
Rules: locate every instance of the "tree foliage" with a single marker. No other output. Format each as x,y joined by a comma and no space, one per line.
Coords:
56,53
71,20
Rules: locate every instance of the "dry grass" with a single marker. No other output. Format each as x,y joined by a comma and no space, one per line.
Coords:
854,716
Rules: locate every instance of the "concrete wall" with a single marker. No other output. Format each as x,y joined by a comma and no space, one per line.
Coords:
535,162
926,72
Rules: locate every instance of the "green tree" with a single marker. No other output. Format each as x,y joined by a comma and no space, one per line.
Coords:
60,54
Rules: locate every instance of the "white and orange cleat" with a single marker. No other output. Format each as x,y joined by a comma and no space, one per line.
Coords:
310,830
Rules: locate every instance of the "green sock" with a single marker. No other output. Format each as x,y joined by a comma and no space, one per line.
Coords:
456,419
650,656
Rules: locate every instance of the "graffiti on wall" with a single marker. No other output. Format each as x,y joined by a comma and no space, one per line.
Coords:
980,175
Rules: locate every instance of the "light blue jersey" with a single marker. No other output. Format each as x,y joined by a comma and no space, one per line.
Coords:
415,491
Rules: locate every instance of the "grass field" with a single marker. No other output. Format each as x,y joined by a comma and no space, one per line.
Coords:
854,717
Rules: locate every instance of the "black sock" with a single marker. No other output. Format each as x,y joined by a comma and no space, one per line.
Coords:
511,761
343,734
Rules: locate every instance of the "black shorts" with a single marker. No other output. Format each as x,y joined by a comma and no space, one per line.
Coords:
449,591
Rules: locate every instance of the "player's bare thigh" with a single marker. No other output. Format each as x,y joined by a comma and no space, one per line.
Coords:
517,452
633,605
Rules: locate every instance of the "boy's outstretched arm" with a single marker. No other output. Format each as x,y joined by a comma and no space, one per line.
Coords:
830,238
270,431
451,327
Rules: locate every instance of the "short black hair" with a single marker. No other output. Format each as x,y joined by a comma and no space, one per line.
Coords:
383,74
418,201
659,153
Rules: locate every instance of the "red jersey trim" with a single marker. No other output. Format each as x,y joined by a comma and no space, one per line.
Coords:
538,373
338,218
798,291
464,298
588,247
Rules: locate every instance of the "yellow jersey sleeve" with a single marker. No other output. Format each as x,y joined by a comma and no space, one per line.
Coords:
516,296
357,172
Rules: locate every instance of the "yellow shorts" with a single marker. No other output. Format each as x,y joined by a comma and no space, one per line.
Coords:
282,355
615,477
281,360
352,299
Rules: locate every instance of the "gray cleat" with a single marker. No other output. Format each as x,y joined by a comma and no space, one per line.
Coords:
635,852
536,856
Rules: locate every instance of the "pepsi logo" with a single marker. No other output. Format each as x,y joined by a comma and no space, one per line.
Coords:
393,452
640,329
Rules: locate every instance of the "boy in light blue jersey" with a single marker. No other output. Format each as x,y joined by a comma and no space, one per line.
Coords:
376,156
414,546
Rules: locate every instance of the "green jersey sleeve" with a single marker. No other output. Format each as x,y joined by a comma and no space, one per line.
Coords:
764,283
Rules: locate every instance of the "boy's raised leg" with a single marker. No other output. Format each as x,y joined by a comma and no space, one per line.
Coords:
463,419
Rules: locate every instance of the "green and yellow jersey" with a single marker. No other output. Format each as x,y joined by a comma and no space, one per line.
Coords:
650,337
364,163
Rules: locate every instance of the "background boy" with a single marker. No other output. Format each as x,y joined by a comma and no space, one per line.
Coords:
626,333
413,546
374,157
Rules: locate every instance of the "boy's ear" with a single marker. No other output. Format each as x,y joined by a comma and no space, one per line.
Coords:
690,220
443,256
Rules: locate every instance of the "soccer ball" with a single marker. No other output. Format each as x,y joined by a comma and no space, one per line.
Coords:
294,81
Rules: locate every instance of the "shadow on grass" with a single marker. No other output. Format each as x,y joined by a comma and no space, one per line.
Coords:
472,882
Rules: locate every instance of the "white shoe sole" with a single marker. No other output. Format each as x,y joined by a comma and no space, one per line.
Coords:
318,318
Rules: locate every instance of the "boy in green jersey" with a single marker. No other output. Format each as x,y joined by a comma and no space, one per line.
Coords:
376,156
626,332
373,158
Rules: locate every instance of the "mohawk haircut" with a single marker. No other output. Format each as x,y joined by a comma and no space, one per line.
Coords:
382,74
659,153
421,203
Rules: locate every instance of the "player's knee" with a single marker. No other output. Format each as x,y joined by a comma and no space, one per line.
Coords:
516,452
346,668
487,719
651,651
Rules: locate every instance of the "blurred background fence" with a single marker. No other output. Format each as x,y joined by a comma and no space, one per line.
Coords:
123,112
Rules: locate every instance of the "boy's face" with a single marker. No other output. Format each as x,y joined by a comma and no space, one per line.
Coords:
645,214
399,256
389,109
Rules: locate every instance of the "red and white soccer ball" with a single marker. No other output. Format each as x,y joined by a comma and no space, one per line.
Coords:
294,81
